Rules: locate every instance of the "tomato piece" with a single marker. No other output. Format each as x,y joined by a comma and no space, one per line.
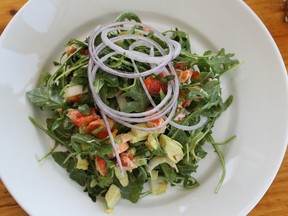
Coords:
181,113
181,65
98,124
186,103
122,147
71,49
182,96
184,75
80,119
155,122
84,52
121,143
146,29
100,164
161,75
154,85
199,96
127,161
196,75
74,98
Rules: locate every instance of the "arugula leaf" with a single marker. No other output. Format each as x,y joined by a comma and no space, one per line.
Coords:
222,62
94,190
140,102
190,182
187,167
213,89
60,157
78,141
98,84
43,79
48,132
110,80
131,192
178,135
181,37
218,63
108,96
127,15
134,189
79,176
84,108
63,160
169,172
80,76
45,98
227,103
195,92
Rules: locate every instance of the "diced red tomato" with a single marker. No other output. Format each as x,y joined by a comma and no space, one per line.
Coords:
199,96
127,161
84,51
122,144
181,113
71,49
74,98
80,119
154,85
100,164
184,75
155,122
93,125
161,75
196,75
146,29
125,137
186,103
181,65
122,147
182,96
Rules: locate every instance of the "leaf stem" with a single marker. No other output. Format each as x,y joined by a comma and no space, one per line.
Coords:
223,164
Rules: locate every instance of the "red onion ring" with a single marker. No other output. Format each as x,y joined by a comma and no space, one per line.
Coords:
157,63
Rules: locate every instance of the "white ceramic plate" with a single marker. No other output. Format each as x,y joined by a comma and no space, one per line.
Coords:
258,116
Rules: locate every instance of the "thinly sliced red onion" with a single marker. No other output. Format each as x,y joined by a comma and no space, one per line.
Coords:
119,114
137,114
137,56
172,45
95,52
158,64
203,120
104,117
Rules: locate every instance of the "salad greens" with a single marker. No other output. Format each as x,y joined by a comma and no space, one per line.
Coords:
166,156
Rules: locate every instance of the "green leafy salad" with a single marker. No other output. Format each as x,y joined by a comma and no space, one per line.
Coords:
132,106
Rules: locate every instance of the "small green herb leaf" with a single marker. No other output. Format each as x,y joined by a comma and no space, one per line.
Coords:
45,99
